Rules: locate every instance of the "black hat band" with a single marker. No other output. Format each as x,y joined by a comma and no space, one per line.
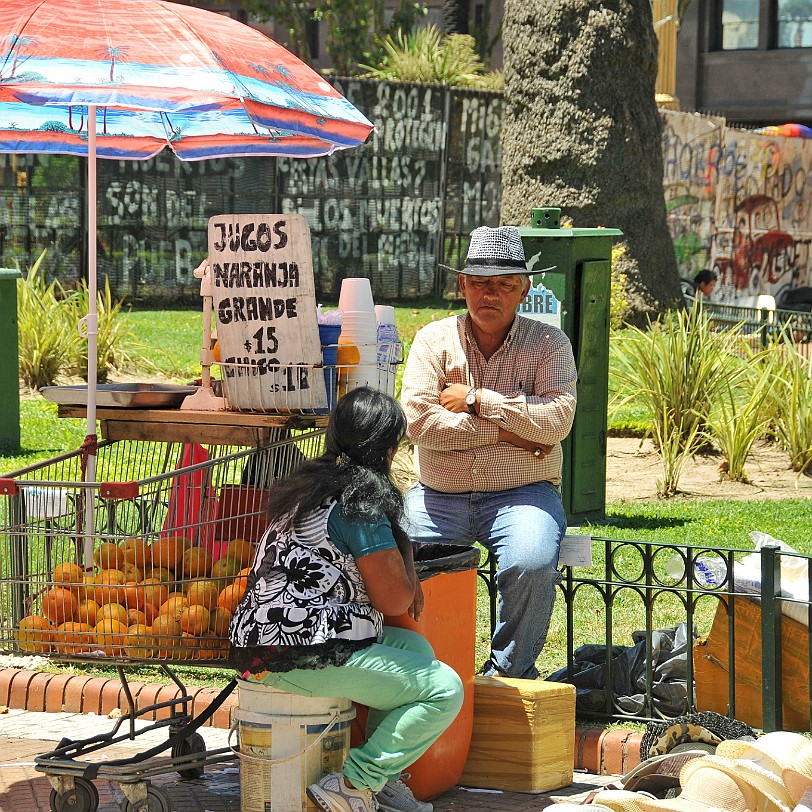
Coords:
498,263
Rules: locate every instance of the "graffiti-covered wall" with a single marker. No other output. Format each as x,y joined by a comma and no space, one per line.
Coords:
401,206
392,210
739,203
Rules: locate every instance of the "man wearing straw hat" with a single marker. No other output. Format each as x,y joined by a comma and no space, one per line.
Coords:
489,396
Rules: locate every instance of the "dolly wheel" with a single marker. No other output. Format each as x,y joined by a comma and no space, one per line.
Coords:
156,801
192,744
84,797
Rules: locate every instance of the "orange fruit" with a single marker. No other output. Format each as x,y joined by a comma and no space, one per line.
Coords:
69,575
197,563
135,617
133,595
112,611
108,587
166,633
191,645
216,352
136,552
111,636
242,577
59,605
174,605
347,354
74,638
168,552
224,568
241,551
140,642
230,597
35,634
132,573
108,556
161,574
194,620
203,593
87,612
155,592
219,621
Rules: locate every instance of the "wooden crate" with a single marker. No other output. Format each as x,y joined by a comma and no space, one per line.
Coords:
523,736
712,669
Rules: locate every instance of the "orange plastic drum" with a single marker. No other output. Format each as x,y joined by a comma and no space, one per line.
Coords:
448,622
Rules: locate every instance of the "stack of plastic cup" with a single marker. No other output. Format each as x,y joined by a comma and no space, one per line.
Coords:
359,327
388,348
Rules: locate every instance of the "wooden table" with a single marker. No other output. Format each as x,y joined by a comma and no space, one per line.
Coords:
191,426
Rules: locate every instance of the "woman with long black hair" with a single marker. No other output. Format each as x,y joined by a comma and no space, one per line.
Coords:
334,559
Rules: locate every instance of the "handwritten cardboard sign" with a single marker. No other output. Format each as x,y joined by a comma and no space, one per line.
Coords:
265,306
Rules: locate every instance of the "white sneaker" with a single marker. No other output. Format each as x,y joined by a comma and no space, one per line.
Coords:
333,795
397,797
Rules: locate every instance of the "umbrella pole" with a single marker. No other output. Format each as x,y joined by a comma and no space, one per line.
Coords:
89,326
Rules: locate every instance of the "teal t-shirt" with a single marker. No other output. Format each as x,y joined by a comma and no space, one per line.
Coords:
358,538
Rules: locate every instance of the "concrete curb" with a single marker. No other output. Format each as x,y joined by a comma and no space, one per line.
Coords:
597,750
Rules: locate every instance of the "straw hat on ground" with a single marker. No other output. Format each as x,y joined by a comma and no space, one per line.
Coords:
704,788
785,755
659,775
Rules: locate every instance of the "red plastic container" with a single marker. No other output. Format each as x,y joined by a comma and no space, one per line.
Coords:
448,622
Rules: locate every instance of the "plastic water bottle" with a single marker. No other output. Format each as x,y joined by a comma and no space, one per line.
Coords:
388,343
708,571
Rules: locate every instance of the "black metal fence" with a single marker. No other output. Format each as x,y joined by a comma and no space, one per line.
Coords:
392,210
747,651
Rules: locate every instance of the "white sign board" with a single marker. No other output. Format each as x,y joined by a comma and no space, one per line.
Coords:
265,305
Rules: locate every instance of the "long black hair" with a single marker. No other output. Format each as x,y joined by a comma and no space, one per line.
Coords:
364,428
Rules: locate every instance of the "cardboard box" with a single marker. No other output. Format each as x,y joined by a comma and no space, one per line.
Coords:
523,737
712,667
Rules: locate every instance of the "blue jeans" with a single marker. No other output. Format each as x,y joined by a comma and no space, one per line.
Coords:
412,699
523,528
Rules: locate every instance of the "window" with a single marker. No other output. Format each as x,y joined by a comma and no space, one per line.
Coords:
740,24
795,23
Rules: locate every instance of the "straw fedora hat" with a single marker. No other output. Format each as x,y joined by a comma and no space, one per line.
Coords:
495,252
786,755
704,788
769,786
659,775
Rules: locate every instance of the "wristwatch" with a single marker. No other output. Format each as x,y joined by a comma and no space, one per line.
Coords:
470,400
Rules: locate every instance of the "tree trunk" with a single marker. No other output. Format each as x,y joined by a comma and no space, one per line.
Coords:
582,131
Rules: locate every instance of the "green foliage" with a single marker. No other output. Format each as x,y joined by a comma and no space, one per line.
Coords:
738,416
791,375
113,332
676,368
425,55
47,336
355,28
618,294
50,345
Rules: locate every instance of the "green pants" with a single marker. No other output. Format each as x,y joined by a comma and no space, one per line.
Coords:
412,698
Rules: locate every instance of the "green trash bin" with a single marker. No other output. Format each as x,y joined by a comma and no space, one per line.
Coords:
575,297
9,361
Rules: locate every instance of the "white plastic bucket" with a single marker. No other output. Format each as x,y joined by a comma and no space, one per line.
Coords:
286,743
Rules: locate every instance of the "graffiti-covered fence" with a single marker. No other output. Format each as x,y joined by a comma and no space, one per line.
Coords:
404,203
390,210
739,202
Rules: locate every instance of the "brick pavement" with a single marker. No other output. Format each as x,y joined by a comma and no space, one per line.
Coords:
44,708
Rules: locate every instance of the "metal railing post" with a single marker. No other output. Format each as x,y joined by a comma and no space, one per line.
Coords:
771,699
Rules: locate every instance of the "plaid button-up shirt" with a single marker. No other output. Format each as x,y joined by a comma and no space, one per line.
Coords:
527,387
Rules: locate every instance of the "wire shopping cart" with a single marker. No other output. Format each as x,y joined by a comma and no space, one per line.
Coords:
173,535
